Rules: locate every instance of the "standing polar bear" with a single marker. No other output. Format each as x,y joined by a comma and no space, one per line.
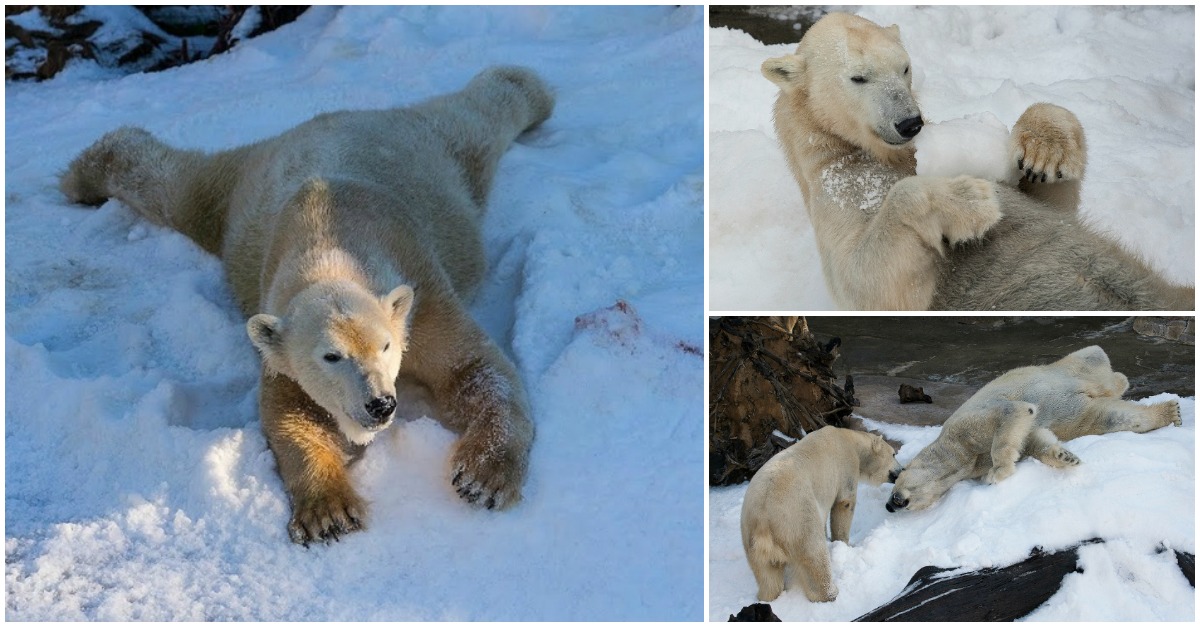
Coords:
350,241
794,493
1027,412
890,239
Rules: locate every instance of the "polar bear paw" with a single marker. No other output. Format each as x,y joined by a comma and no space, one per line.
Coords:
485,474
974,209
1000,473
1170,410
1047,145
325,517
1063,457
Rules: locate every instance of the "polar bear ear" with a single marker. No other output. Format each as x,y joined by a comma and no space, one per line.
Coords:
894,31
266,333
399,301
786,71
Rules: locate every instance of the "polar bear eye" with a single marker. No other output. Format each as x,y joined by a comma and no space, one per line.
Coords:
387,346
906,69
858,79
332,358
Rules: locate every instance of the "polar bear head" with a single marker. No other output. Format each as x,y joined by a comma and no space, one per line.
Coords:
343,346
878,465
853,79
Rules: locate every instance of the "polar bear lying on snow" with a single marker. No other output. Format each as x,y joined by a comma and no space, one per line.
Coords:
891,239
1027,412
794,493
350,241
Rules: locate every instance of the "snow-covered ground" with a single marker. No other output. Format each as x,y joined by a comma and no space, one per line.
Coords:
1135,490
138,484
1127,72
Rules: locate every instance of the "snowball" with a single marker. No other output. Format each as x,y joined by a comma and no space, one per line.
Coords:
976,145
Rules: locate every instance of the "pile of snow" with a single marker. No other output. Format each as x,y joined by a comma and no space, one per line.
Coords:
1128,73
1134,490
139,485
975,145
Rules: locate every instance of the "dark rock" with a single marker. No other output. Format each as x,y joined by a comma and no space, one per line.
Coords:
990,594
1187,565
910,394
756,613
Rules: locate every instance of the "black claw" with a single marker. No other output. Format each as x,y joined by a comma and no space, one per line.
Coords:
491,502
1029,173
1043,177
457,476
472,497
1021,163
1060,174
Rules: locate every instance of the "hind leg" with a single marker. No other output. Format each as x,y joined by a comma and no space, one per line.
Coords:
163,184
1043,446
814,572
769,576
481,121
1119,415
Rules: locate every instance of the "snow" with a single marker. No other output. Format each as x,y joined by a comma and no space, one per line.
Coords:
1128,73
1134,490
139,485
975,145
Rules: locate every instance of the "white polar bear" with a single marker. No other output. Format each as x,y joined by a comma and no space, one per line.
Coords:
890,238
350,241
1027,412
794,493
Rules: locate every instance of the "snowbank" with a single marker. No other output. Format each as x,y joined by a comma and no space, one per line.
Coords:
1135,490
1127,72
139,486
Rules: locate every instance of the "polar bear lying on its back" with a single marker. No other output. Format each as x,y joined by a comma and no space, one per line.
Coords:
1027,412
350,241
794,493
892,239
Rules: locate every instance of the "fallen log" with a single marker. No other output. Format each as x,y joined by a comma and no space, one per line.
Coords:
989,594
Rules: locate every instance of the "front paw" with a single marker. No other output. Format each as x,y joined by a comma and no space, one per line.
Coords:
975,210
488,473
325,517
1047,145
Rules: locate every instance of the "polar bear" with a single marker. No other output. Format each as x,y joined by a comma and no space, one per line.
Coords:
1027,412
890,239
352,241
794,493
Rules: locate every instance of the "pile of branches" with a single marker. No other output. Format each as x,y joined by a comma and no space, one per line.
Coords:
767,376
41,40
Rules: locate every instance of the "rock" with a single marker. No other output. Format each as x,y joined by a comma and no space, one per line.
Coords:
910,394
1182,330
756,613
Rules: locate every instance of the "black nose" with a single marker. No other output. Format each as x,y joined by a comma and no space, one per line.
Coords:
909,128
382,407
896,502
892,476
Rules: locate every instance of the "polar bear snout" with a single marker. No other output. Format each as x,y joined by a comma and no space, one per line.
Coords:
909,128
897,502
381,407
